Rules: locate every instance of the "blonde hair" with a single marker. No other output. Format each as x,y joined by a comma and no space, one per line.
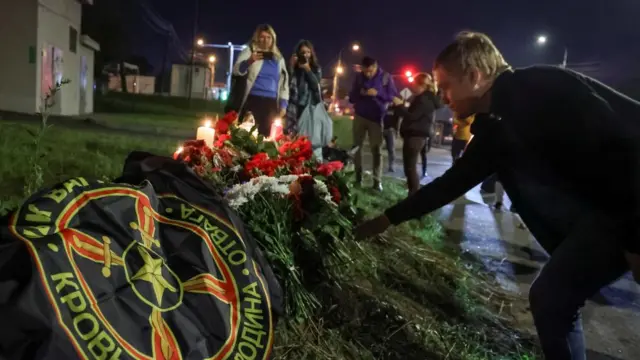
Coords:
268,29
427,81
472,50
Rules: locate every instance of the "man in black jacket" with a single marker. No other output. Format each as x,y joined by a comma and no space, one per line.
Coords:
541,129
417,120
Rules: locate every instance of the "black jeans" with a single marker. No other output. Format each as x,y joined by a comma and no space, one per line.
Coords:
410,150
586,255
390,143
264,111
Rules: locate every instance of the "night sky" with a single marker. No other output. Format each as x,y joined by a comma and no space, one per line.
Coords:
403,34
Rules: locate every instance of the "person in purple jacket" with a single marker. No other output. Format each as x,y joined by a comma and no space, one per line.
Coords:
373,90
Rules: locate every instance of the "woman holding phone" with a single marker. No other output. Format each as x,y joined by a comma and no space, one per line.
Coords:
304,84
266,93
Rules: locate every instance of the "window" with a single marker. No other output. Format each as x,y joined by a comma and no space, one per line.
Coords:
73,39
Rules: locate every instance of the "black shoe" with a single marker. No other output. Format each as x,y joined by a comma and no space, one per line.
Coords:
377,186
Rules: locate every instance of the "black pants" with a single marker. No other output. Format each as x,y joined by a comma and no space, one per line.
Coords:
411,148
423,155
390,143
457,147
586,249
264,110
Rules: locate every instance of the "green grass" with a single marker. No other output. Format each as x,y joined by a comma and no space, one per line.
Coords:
405,295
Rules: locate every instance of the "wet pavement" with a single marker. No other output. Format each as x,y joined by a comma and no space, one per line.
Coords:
501,242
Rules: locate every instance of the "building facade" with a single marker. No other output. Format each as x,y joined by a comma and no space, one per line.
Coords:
201,83
41,45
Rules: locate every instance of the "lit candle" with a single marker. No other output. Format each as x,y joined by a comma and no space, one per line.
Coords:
176,154
206,133
276,129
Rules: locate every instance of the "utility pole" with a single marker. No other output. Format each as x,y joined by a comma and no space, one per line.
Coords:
193,49
164,64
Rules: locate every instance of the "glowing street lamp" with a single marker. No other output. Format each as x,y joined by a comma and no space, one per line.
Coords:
200,42
355,47
212,59
541,40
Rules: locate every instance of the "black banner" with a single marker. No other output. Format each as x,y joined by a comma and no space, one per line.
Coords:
159,270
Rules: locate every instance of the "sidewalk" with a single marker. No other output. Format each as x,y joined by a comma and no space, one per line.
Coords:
611,318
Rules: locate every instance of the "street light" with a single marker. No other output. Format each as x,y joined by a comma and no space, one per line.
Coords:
212,59
200,42
355,47
542,41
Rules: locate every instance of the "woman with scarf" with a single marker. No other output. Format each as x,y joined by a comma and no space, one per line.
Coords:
266,90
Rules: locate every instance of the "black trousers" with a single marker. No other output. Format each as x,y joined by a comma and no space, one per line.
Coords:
264,111
390,143
410,150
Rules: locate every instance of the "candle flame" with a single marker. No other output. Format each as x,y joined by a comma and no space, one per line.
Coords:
180,149
278,122
207,123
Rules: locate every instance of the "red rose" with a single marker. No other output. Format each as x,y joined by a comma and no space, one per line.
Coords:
335,194
327,169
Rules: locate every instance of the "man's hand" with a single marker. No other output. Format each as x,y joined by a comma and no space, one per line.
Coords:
372,92
634,264
373,227
294,60
397,101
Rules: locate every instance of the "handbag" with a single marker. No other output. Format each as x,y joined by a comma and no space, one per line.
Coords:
236,93
316,124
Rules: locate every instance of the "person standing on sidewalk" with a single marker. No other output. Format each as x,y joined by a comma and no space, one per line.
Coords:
372,91
461,135
523,120
416,125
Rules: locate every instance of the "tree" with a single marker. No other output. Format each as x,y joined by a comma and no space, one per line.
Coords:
143,64
107,22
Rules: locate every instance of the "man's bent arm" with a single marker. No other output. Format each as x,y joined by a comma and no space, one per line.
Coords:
477,163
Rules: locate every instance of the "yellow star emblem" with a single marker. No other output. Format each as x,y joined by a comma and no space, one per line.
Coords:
151,272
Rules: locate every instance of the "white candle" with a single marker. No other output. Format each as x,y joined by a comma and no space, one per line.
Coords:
206,133
276,129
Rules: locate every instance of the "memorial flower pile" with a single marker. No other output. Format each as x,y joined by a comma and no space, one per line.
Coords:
298,209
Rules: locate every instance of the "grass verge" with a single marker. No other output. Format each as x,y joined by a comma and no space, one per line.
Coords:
403,296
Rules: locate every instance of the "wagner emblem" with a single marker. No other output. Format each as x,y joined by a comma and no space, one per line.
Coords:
131,274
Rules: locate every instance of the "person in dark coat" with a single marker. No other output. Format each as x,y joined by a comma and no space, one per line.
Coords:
417,120
541,129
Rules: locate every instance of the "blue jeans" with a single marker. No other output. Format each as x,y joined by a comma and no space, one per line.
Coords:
589,258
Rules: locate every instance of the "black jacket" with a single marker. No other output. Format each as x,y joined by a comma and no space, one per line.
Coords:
417,119
564,146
